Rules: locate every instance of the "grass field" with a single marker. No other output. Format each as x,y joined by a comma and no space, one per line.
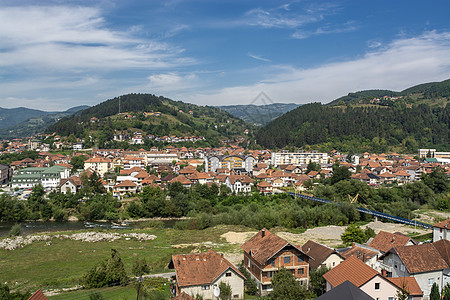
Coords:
63,263
113,293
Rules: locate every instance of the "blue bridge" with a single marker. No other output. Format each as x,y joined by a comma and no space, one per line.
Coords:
368,211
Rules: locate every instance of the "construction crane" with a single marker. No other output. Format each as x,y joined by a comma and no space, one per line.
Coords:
353,199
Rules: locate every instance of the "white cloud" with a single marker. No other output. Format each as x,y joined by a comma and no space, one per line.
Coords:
347,27
401,64
65,37
172,82
258,57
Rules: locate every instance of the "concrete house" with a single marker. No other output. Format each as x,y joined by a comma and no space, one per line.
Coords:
423,262
321,255
265,253
200,273
365,278
384,241
441,230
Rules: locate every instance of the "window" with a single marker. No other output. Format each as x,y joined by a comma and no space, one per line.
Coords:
205,287
228,274
391,298
299,259
377,286
430,281
287,259
402,268
273,263
301,271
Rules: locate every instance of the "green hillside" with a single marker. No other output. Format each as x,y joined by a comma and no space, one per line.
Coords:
418,117
23,122
163,117
259,115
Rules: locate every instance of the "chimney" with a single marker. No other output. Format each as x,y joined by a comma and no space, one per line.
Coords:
383,272
263,233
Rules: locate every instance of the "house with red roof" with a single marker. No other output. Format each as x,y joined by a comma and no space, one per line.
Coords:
364,277
201,273
423,262
441,230
265,253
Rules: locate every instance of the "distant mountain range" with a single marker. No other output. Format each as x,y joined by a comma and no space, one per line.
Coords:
259,115
21,121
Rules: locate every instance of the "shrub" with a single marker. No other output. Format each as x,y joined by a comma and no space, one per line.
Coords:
16,230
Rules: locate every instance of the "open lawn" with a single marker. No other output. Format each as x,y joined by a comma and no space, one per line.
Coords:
63,263
113,293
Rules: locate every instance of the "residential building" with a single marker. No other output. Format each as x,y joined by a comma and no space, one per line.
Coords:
441,230
423,262
384,241
201,273
239,183
6,173
98,164
347,291
298,158
362,276
239,164
265,253
48,177
70,185
321,255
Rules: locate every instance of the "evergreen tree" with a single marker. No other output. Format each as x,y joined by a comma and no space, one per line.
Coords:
434,294
285,286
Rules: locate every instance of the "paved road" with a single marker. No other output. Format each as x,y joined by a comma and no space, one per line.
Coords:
164,275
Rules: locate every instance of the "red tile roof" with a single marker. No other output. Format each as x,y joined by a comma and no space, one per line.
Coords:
420,258
263,245
200,268
351,269
318,252
360,253
38,295
384,241
409,283
443,224
443,247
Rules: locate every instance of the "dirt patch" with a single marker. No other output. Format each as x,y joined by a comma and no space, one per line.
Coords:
328,235
237,237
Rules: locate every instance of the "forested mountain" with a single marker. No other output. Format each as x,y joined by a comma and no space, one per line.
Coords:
375,120
426,91
149,115
21,122
259,114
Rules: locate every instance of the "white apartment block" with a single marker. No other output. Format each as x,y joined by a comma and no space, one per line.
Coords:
298,158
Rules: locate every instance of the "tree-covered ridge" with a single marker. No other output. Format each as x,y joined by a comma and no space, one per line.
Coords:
164,117
352,128
415,94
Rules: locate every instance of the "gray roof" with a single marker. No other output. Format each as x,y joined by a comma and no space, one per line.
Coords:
345,290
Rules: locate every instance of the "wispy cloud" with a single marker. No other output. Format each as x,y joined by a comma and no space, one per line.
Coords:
284,17
329,29
65,37
397,66
257,57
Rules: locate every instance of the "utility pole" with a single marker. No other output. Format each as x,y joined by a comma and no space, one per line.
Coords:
139,287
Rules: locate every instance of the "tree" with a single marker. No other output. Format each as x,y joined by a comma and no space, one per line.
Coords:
340,173
250,283
225,291
446,292
434,294
317,282
77,162
107,273
312,166
140,267
16,230
402,293
285,286
353,234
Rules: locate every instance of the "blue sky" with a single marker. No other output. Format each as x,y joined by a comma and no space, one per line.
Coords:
58,54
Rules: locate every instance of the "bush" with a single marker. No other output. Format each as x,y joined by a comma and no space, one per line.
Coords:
16,230
107,273
140,267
